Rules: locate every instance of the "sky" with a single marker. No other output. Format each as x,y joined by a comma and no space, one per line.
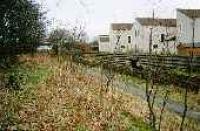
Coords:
97,15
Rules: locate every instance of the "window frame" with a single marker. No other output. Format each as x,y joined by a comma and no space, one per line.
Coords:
129,39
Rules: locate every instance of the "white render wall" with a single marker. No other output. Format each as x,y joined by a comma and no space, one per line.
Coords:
164,46
142,38
141,35
123,40
105,46
185,28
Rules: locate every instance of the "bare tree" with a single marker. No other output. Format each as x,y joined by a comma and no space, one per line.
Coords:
149,82
79,33
163,109
109,76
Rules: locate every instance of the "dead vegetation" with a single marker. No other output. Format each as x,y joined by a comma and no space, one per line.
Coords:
69,99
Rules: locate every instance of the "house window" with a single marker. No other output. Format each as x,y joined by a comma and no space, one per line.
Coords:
155,46
129,39
162,37
104,39
123,47
118,39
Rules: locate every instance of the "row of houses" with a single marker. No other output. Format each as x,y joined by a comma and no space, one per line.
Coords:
156,35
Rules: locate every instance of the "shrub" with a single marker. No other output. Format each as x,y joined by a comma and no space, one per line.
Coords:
55,49
16,80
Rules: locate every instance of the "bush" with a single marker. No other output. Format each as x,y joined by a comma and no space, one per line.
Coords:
55,49
77,56
16,80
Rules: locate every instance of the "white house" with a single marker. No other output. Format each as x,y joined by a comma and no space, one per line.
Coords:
121,37
188,24
163,35
104,44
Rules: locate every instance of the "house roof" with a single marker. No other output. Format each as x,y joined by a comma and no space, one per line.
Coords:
122,26
157,22
103,35
192,13
104,38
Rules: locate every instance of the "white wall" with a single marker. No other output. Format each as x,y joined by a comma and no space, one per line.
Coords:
185,28
141,34
143,38
105,46
164,46
123,40
197,30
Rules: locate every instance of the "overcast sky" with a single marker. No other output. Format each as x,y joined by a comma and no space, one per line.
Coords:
98,14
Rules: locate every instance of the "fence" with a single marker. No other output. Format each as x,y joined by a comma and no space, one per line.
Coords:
129,64
182,62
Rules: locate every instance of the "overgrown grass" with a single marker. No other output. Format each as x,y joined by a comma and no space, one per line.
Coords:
186,72
40,95
11,100
61,96
134,124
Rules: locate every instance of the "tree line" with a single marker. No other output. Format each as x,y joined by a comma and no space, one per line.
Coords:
22,26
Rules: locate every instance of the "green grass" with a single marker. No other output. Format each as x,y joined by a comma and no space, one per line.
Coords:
175,93
134,80
81,128
14,99
134,124
185,72
33,75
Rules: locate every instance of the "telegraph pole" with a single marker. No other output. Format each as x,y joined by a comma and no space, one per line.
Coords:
193,36
151,34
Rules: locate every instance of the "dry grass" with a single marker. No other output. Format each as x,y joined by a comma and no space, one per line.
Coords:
71,100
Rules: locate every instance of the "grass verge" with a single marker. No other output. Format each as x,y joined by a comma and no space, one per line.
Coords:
33,73
66,98
175,93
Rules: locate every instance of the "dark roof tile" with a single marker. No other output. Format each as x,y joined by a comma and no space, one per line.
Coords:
192,13
122,26
104,38
157,22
